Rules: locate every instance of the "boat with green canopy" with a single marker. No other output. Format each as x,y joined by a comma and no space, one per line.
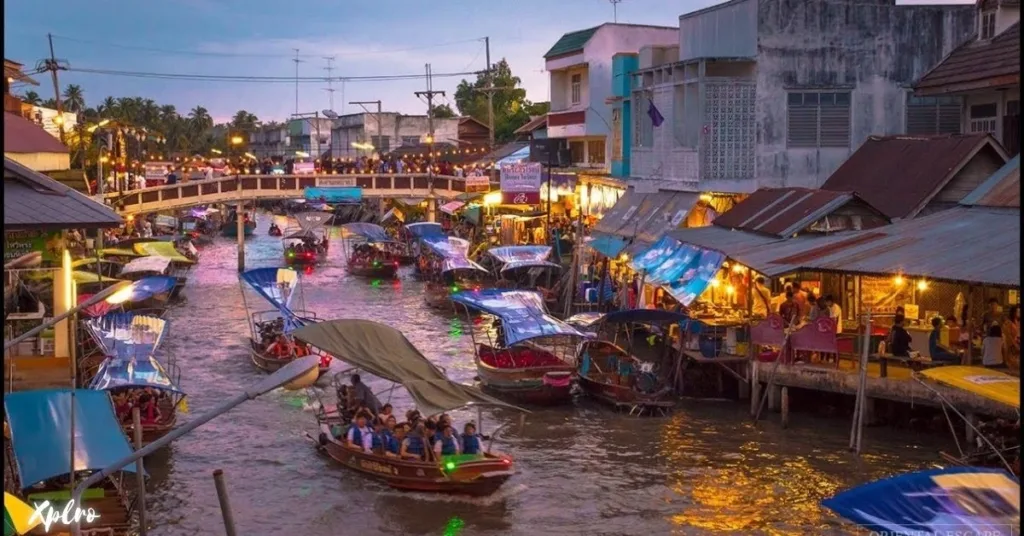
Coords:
385,352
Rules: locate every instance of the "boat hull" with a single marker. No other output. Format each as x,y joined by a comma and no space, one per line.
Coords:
302,260
230,230
384,271
624,397
539,379
268,363
477,478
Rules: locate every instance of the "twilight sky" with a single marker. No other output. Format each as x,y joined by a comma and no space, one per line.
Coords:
257,38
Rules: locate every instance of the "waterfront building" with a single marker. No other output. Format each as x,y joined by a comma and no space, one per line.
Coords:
978,85
269,141
771,93
310,135
363,134
29,144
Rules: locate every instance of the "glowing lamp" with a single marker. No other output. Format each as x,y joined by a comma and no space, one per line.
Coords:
898,281
922,285
449,466
120,296
714,283
729,289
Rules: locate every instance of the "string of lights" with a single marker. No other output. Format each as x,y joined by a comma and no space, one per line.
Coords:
263,79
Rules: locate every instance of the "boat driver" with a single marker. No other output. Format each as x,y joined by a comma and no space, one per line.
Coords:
360,436
363,397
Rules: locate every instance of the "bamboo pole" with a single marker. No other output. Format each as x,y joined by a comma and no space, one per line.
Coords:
140,474
225,504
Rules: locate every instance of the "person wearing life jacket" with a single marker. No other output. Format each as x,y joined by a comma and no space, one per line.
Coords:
393,441
470,441
447,445
379,437
359,436
281,347
149,408
414,445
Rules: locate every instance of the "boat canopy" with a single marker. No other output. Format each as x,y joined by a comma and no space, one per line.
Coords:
276,285
116,372
384,352
424,229
90,261
118,252
313,220
144,289
653,317
683,270
987,383
302,234
155,264
584,320
522,313
81,277
127,334
370,232
513,257
162,249
453,252
954,500
41,428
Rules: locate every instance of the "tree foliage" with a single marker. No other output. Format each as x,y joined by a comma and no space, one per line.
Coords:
443,111
511,107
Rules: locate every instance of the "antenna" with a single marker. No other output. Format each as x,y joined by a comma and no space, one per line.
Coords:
615,9
297,62
329,114
330,88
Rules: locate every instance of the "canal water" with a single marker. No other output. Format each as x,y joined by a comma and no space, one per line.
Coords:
582,469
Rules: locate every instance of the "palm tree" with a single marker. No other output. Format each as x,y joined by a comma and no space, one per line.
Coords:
200,119
49,103
74,99
109,107
31,97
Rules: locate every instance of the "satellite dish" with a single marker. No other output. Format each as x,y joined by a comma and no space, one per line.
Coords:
329,114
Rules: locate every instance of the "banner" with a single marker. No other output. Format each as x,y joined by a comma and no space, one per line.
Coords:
477,182
304,168
19,243
339,194
520,198
520,183
157,171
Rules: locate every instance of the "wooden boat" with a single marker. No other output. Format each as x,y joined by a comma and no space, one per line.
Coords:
369,251
527,358
374,269
268,323
384,352
230,227
154,266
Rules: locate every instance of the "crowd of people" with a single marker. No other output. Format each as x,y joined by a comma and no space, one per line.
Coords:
147,399
367,254
374,429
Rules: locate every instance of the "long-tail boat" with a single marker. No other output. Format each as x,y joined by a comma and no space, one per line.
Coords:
369,252
42,452
384,352
277,286
307,242
451,270
411,236
528,356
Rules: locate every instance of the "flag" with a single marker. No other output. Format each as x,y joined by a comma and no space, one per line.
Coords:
656,118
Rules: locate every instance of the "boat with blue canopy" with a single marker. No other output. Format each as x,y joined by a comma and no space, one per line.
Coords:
371,252
271,345
41,424
954,500
149,294
145,382
524,353
445,265
526,267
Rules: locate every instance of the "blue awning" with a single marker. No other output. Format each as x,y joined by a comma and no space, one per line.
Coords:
424,229
514,257
683,270
127,334
522,313
40,426
954,500
370,232
276,285
608,245
334,194
133,372
146,288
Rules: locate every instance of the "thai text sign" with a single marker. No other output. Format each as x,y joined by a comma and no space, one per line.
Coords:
477,182
521,177
19,243
304,168
334,194
337,181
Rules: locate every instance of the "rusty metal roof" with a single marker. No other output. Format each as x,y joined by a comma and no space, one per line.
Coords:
1002,189
734,244
536,123
34,201
964,244
646,216
783,212
976,64
899,175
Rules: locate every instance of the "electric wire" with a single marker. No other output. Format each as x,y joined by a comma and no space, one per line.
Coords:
192,77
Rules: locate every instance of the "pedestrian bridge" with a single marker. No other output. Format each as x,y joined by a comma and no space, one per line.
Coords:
235,188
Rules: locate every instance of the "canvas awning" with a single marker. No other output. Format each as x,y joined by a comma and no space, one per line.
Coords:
147,264
127,334
162,249
451,207
522,313
117,372
681,269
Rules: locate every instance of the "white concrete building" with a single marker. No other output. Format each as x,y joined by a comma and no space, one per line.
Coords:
269,141
51,120
580,64
772,93
310,135
353,135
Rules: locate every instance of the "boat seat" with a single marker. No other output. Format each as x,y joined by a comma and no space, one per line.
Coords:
517,358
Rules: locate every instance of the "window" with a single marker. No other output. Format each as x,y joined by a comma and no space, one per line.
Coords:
988,25
818,119
983,118
576,152
595,152
643,128
933,115
381,143
410,140
575,88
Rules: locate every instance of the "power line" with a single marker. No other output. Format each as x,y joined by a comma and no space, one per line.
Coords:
251,55
262,79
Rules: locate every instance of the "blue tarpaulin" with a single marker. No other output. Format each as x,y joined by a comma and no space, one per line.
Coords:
276,285
370,232
146,288
683,270
335,194
127,334
133,372
453,252
40,426
608,245
424,229
955,500
522,313
513,257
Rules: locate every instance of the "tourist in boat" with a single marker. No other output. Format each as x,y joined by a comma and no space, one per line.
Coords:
281,347
414,446
471,440
445,420
150,411
363,396
122,407
447,444
393,442
386,413
359,436
431,432
379,437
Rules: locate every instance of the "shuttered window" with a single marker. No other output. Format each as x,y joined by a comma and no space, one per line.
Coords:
818,119
933,115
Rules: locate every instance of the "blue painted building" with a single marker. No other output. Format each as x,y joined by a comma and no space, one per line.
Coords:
622,113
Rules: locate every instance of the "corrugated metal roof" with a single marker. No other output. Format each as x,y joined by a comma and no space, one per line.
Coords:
621,212
898,175
732,243
24,136
34,201
1002,189
646,216
571,42
977,62
782,211
965,244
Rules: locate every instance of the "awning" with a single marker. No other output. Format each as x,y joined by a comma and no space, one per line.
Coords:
116,372
156,265
313,220
647,216
40,425
681,269
451,207
162,249
410,201
370,232
608,245
620,213
522,313
987,383
276,285
127,334
424,228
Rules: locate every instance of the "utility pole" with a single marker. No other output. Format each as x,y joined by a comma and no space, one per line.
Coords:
380,124
429,95
53,66
297,62
490,93
615,10
330,88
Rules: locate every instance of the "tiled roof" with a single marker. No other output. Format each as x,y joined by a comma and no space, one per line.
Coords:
783,212
898,175
34,201
24,136
977,64
571,42
1002,189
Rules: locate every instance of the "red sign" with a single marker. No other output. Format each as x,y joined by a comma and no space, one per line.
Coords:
520,198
